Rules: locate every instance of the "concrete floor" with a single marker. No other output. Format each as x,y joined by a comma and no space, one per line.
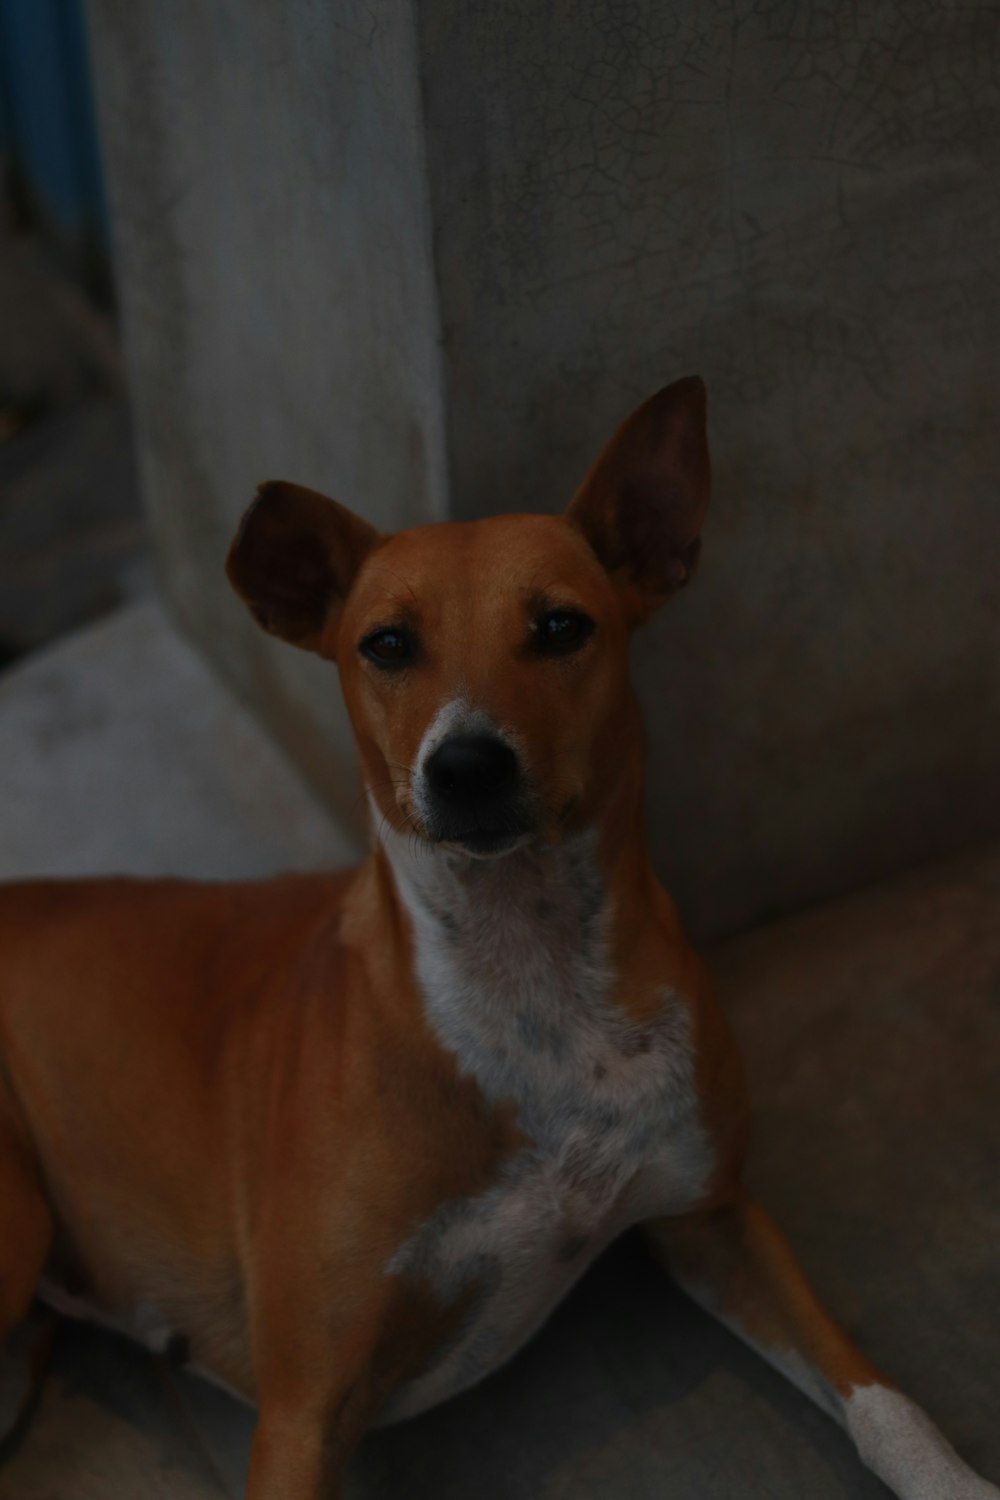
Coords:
872,1030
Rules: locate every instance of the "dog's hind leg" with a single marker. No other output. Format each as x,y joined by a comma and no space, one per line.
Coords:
25,1239
737,1265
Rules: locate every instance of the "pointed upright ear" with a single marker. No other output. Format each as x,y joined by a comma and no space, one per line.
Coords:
293,560
643,503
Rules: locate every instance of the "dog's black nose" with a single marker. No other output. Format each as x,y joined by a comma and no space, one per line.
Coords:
476,794
474,771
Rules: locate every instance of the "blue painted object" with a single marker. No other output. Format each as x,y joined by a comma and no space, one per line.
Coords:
47,124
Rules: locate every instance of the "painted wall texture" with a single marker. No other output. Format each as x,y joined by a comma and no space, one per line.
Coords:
267,185
800,202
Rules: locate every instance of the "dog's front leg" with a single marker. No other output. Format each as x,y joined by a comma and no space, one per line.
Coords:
291,1458
315,1375
736,1264
307,1431
302,1453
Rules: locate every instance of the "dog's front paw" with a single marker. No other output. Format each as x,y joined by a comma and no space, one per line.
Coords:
900,1443
969,1486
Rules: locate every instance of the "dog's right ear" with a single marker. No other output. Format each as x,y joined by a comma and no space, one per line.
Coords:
293,560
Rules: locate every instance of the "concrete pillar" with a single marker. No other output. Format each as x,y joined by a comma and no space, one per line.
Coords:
797,202
272,240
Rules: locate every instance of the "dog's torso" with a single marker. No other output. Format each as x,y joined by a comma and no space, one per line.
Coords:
526,1119
518,984
346,1140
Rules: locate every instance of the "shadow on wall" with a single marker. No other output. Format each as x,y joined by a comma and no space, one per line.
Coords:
796,206
71,535
508,227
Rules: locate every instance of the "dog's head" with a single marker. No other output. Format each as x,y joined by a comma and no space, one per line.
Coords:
485,663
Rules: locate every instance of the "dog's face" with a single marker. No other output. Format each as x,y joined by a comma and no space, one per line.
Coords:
485,664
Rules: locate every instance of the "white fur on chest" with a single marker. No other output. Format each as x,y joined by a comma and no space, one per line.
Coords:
511,958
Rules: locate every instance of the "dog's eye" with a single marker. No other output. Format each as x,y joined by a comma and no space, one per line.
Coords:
393,646
562,630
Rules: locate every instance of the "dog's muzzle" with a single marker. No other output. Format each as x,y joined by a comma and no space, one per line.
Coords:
474,794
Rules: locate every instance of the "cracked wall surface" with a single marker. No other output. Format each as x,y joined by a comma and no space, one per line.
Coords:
799,202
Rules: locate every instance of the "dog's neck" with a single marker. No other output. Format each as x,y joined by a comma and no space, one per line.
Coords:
513,954
552,898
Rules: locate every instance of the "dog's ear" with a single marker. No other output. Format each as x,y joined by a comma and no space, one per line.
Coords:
293,560
643,503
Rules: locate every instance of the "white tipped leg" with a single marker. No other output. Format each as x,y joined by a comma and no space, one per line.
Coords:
901,1444
735,1263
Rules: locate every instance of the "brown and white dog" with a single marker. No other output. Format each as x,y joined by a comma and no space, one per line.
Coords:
352,1136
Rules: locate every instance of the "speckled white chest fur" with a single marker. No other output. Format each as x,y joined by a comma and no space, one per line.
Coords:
511,958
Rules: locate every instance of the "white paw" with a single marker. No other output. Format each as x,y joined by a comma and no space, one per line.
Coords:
900,1443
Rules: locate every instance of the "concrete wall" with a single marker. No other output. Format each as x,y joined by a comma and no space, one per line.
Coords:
269,200
796,201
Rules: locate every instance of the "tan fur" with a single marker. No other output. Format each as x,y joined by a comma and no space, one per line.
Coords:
225,1110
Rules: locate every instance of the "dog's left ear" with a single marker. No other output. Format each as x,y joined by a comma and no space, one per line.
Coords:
643,504
293,561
